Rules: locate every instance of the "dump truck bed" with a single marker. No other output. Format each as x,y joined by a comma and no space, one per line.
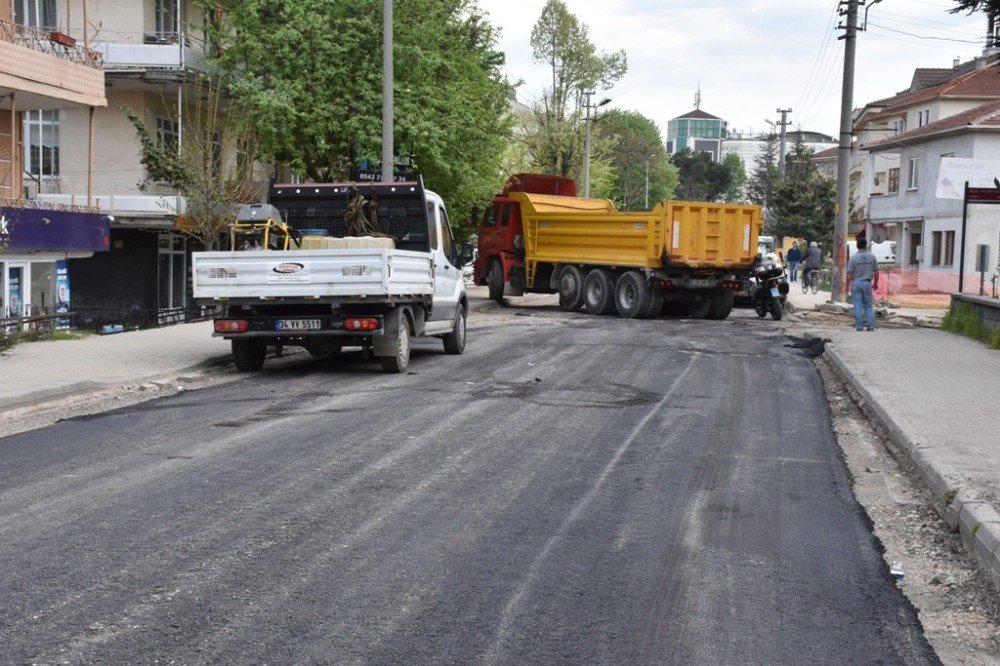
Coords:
693,235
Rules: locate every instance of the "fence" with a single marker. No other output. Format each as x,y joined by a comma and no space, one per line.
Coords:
896,282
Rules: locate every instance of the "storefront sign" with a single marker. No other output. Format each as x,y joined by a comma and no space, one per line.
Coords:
24,229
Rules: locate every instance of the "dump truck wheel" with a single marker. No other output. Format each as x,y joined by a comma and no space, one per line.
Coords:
632,295
655,305
398,362
599,292
570,288
700,305
722,304
454,342
248,355
494,279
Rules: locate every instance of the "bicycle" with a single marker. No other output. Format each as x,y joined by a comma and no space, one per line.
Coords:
810,280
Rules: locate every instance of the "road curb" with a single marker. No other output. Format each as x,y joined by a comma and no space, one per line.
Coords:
36,398
976,521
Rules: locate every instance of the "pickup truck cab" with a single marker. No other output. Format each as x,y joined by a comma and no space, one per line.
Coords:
371,265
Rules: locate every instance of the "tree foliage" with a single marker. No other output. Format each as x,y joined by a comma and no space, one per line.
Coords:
765,175
310,73
636,145
211,168
700,178
991,7
560,41
804,203
737,178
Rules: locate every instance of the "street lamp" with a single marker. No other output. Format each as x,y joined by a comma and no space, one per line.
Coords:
586,149
647,179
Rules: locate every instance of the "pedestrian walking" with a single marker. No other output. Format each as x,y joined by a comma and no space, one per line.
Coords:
862,274
794,257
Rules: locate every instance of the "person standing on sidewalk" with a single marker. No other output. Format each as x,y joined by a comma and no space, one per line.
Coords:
862,274
794,257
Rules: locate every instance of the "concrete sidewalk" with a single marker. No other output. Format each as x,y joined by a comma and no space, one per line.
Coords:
935,394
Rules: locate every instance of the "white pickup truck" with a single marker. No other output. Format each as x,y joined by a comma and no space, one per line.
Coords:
334,288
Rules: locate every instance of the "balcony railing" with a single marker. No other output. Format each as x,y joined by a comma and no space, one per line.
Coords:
41,204
125,51
57,44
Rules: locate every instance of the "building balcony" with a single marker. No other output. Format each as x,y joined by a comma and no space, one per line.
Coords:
48,70
127,208
128,52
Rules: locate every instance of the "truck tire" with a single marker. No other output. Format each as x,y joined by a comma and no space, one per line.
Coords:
570,288
699,305
776,309
655,304
632,295
599,292
722,303
494,279
398,362
248,355
454,342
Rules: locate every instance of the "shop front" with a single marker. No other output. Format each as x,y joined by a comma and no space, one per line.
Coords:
36,245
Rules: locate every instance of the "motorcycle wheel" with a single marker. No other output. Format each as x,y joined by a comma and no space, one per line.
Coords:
761,308
776,309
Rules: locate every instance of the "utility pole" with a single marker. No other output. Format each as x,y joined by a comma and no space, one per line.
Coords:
784,122
850,37
388,150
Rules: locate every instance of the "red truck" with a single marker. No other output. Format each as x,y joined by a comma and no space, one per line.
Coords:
538,236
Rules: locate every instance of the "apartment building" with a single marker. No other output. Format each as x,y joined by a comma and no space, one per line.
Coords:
153,52
44,72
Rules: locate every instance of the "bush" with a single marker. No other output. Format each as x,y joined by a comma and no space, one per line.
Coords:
963,319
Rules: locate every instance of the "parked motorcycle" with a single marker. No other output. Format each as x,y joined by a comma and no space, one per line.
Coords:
768,288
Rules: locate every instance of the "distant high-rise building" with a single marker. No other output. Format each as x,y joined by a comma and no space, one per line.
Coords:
697,130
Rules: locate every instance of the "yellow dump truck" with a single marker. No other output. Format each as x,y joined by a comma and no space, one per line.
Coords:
688,254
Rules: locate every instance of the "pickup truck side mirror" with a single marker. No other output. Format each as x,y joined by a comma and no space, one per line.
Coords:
467,254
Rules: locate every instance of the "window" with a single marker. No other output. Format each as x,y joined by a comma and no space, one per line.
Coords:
949,248
923,117
898,126
913,166
447,242
490,219
168,133
936,248
41,143
38,14
172,265
166,19
915,242
894,180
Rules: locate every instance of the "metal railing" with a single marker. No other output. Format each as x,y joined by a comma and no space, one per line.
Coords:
55,44
35,204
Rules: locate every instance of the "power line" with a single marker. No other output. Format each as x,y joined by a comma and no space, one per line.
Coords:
940,39
820,57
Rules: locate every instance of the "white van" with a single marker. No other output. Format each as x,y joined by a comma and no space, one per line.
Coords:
885,252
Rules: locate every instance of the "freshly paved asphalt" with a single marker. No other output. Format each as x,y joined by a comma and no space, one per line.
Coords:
571,490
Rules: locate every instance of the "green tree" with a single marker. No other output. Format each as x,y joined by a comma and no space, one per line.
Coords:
212,168
636,145
765,175
560,41
700,178
310,73
737,178
804,203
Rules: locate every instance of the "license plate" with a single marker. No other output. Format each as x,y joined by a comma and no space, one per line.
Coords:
774,292
695,283
298,325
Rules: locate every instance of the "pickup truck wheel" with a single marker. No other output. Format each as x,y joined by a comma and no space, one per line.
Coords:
570,288
599,292
248,355
398,362
632,295
494,279
454,342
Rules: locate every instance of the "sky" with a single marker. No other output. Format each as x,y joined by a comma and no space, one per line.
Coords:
749,57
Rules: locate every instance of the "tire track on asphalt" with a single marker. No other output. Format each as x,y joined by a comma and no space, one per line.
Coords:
524,589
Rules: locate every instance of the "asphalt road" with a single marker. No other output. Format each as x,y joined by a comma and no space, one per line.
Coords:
572,490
